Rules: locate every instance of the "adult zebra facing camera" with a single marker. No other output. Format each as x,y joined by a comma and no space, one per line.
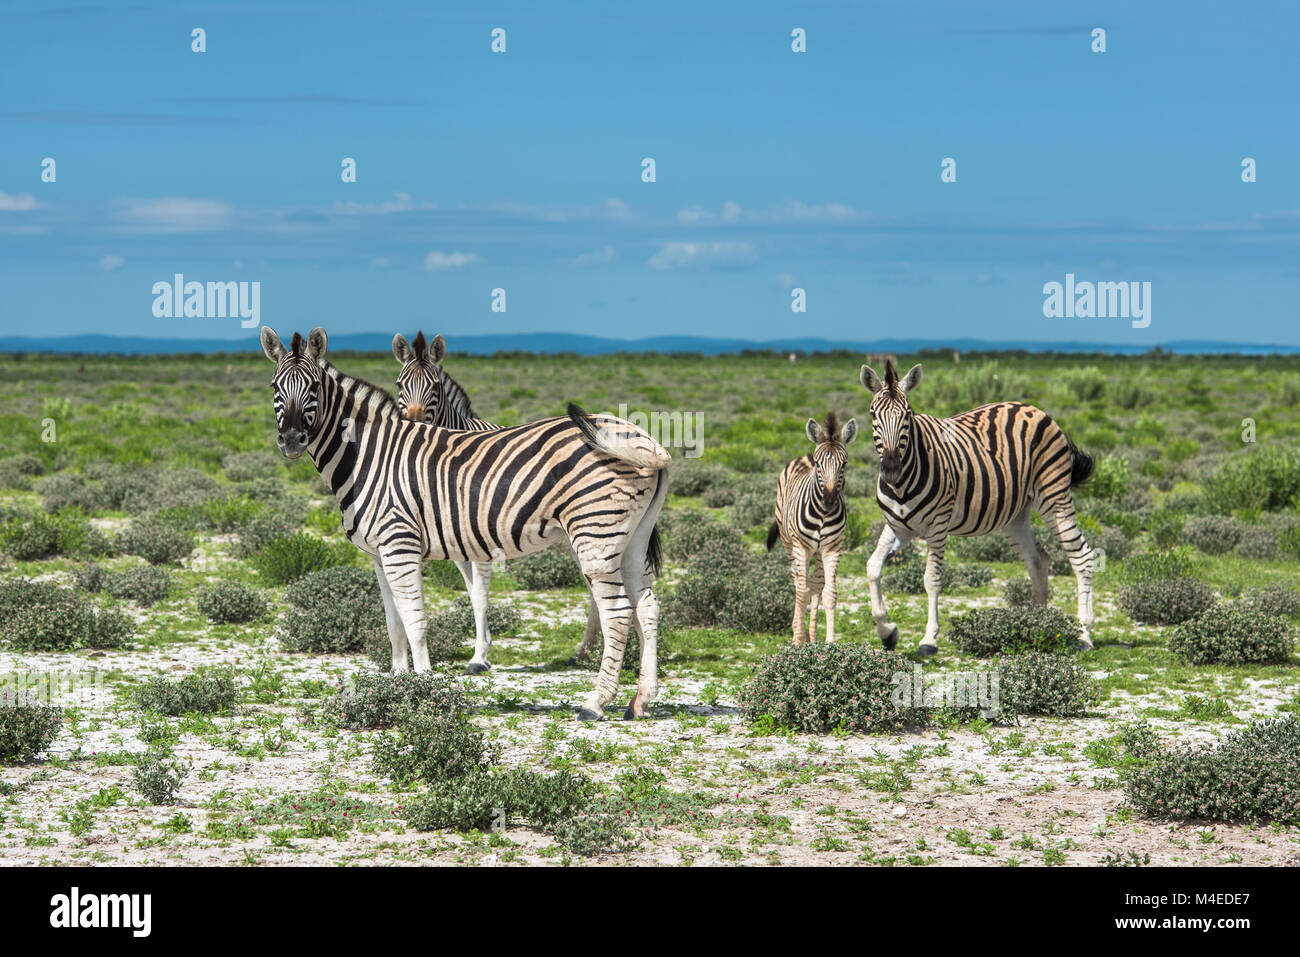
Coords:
981,471
410,491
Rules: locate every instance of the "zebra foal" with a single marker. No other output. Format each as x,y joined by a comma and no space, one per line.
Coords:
810,520
409,491
978,472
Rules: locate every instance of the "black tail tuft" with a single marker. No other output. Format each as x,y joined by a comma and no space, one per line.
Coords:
654,556
773,534
1082,468
583,421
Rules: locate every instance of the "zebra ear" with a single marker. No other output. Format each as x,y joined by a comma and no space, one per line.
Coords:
849,432
401,348
316,344
814,430
439,347
271,344
870,381
912,379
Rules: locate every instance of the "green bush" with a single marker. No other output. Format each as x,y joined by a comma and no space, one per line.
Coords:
379,701
44,617
990,631
1266,478
1233,633
553,568
687,531
27,728
143,584
1166,527
1160,565
984,548
727,586
231,602
156,542
909,576
157,776
695,478
334,611
1165,601
1251,775
1019,592
207,693
1111,478
1214,534
1041,683
1258,541
479,800
263,528
30,536
818,688
287,559
1275,599
434,743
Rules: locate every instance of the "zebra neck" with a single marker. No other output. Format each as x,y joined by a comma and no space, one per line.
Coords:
346,406
913,478
456,411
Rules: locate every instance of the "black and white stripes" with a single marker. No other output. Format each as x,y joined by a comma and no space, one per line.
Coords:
409,491
978,472
810,520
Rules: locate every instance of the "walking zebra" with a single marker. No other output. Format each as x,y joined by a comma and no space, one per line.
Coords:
810,520
978,472
409,491
426,393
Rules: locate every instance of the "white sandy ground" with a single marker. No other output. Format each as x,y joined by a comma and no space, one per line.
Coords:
1011,795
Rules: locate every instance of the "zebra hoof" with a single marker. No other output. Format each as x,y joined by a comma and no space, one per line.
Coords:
586,714
1085,644
927,650
890,641
577,661
629,714
476,668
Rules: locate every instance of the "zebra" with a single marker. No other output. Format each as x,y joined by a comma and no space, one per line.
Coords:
810,521
978,472
409,491
425,392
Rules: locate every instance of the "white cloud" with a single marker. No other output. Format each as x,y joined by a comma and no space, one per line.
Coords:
438,261
599,257
382,262
20,203
793,211
109,263
400,203
177,214
702,255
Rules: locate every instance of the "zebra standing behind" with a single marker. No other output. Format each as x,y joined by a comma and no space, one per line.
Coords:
810,520
978,472
426,393
409,491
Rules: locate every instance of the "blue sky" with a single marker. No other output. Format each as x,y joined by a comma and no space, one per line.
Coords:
522,170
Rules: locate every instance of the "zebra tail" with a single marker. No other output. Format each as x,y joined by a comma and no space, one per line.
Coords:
1082,468
773,534
623,451
654,556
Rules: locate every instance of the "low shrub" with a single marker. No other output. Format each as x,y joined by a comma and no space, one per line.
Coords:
1258,541
231,602
1233,633
208,693
158,776
1166,527
156,542
687,531
1265,478
1251,775
990,631
263,528
433,744
335,610
1214,534
908,576
31,536
27,727
287,559
1111,478
553,568
379,701
143,584
1019,592
43,617
728,586
1049,684
696,478
1165,601
1275,599
818,688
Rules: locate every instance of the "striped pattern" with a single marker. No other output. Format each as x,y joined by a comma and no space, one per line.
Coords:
810,520
409,492
981,471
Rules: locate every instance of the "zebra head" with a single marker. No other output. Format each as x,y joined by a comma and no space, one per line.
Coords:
295,387
891,416
419,384
831,453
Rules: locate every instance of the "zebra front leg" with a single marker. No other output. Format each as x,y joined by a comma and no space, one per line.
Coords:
816,581
396,631
615,619
933,584
830,562
890,542
401,569
1081,560
478,580
799,570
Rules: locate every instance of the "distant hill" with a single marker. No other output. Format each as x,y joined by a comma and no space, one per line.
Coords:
555,342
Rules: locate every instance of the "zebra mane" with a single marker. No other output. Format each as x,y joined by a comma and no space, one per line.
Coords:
831,427
454,394
375,397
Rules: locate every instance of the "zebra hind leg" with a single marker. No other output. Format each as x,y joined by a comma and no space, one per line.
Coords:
478,579
1081,556
1021,534
616,612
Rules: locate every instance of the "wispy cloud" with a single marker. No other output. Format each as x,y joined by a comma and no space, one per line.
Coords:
599,257
790,212
17,203
678,255
109,263
400,203
176,214
439,261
